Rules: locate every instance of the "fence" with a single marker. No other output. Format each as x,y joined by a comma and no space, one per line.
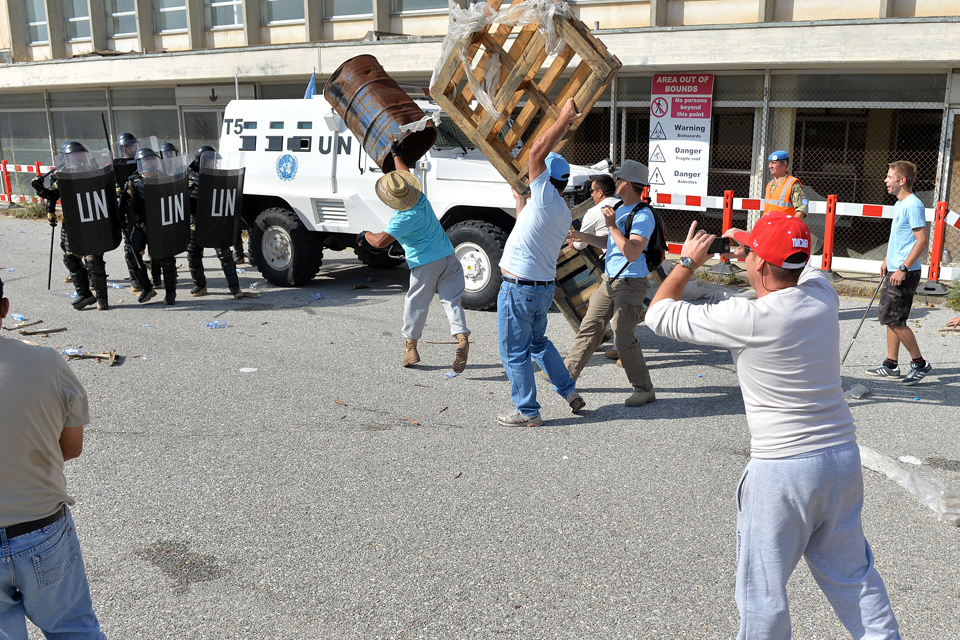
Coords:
6,169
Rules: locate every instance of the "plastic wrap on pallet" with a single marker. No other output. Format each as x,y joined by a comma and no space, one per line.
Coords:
464,23
944,502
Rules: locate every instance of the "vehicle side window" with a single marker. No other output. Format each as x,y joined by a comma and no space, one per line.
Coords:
304,125
248,143
276,125
249,125
298,143
274,143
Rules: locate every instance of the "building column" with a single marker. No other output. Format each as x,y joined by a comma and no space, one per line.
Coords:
144,17
658,13
97,12
196,29
381,16
17,19
313,20
767,7
58,48
886,8
251,22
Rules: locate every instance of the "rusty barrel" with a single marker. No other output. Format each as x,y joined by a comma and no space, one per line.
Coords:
374,107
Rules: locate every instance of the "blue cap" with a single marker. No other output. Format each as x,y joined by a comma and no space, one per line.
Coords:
557,167
778,156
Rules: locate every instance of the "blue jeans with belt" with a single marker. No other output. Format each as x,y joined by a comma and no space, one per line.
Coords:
521,328
42,578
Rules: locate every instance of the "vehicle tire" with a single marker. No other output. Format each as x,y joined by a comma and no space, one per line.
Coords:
286,252
479,246
377,259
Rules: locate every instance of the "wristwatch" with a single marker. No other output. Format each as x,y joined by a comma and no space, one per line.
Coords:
687,263
903,268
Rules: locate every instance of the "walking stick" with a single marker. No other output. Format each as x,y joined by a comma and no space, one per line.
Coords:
855,333
53,231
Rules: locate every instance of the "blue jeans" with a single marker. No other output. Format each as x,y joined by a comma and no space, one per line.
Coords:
42,578
521,328
807,506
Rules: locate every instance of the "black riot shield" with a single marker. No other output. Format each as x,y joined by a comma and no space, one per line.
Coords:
123,168
167,208
219,206
89,202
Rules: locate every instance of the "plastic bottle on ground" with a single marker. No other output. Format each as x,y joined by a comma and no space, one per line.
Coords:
217,324
16,317
71,352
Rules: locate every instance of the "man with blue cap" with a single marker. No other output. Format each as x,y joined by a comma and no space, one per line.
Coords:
784,193
529,268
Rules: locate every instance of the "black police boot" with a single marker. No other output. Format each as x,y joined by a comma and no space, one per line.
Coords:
199,281
230,271
156,271
81,283
169,266
98,276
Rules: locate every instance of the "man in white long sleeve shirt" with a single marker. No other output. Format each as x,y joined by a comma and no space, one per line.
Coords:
802,491
603,190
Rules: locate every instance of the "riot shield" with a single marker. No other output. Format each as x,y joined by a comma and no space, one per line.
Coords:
89,202
220,200
124,164
166,205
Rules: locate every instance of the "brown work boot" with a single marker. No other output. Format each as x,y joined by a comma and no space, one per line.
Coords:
612,354
411,356
463,348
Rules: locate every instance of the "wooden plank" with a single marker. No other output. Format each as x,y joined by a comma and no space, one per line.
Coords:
567,310
584,295
530,110
569,267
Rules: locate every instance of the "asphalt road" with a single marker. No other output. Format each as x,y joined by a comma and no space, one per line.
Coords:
331,493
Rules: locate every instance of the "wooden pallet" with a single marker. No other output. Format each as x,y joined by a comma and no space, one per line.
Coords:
578,276
520,67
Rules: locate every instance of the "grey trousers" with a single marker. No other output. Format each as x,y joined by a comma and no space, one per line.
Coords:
443,277
619,302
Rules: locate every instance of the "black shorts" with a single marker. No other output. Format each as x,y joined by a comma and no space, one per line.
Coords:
896,301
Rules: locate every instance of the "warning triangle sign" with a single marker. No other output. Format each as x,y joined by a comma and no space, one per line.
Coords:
657,133
657,177
657,155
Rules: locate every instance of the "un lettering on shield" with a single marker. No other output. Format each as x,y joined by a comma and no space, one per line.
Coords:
89,204
219,207
167,209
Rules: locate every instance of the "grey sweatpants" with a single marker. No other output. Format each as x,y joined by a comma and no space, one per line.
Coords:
443,277
807,506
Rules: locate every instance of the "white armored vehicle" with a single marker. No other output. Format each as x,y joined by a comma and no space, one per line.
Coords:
309,185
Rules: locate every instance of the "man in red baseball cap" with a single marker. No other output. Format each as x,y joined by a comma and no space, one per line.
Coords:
802,491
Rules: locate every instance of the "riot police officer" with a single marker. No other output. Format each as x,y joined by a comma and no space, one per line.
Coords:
127,146
95,269
168,150
194,251
132,208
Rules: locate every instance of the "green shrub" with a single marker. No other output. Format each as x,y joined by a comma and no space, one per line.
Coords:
953,296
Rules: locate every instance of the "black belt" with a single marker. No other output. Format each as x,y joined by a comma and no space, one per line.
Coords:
33,525
527,283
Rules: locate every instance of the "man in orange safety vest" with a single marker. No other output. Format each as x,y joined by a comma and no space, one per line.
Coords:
784,193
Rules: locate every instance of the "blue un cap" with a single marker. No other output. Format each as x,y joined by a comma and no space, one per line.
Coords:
778,156
557,167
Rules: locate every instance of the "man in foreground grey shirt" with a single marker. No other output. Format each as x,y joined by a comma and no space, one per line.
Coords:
801,494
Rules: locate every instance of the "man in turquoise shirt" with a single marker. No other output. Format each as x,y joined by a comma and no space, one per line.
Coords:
908,243
434,268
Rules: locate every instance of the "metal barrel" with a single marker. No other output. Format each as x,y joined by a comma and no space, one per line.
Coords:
374,107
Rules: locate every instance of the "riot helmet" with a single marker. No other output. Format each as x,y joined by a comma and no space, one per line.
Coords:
203,149
148,162
168,150
75,154
127,144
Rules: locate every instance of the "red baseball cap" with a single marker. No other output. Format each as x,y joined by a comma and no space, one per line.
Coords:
777,236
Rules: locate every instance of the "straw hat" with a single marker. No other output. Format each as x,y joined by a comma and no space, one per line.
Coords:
399,190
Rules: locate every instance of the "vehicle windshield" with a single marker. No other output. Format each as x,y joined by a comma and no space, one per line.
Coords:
449,135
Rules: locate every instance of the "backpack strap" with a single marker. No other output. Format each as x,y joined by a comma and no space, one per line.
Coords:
627,228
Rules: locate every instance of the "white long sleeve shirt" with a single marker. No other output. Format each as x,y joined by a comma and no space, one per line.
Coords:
786,348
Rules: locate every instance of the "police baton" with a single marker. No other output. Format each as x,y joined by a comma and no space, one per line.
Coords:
855,333
53,231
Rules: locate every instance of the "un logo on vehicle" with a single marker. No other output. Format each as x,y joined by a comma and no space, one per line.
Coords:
286,167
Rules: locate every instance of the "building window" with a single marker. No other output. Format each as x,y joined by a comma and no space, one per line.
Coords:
223,13
337,8
76,20
169,15
400,6
121,18
281,11
36,11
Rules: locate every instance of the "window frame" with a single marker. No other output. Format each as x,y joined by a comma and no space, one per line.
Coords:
75,20
279,23
38,23
345,17
120,14
208,13
157,10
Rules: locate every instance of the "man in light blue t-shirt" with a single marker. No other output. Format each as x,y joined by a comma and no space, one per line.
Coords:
434,268
619,298
529,268
908,243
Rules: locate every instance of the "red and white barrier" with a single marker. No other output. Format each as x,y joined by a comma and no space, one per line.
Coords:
832,209
6,168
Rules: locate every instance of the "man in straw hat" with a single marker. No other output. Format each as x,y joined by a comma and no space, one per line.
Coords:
434,267
529,268
802,491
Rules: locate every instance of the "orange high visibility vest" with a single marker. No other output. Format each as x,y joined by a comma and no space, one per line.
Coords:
781,198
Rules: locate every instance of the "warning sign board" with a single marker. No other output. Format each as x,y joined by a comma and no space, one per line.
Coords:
680,111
